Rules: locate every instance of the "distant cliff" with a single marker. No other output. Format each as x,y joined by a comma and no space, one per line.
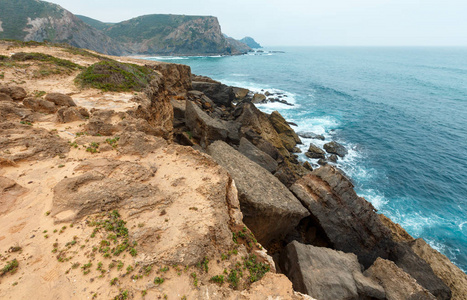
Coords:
34,20
250,42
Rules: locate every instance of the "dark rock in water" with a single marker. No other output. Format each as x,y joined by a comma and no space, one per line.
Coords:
208,129
311,135
60,99
270,210
396,283
322,162
327,274
335,148
268,94
308,166
288,136
332,158
315,152
220,93
253,153
258,98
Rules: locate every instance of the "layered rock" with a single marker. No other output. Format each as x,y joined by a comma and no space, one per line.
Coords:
220,94
288,136
315,152
254,154
270,210
335,148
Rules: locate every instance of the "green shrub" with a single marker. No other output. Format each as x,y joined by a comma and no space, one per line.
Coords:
115,76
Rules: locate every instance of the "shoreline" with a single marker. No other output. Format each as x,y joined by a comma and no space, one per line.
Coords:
188,165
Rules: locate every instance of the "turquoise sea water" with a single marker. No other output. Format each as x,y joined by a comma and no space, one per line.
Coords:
401,111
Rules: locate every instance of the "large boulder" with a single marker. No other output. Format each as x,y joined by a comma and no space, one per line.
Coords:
315,152
327,274
251,118
449,273
270,210
220,93
335,148
349,221
256,155
208,129
288,136
352,225
17,93
60,99
258,98
5,97
71,114
240,93
397,284
40,105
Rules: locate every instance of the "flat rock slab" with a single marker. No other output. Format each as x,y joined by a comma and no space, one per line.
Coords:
270,210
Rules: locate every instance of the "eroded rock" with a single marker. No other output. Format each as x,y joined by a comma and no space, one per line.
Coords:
60,99
315,152
288,136
335,148
256,155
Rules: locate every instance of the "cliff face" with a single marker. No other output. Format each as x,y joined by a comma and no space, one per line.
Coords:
172,35
34,20
31,20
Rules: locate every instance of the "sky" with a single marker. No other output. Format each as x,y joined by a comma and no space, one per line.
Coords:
307,22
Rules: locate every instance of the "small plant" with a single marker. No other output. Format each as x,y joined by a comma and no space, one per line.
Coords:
26,123
144,293
129,269
47,213
218,279
147,270
120,265
11,267
114,281
195,278
75,265
164,269
86,268
122,296
38,94
233,278
133,252
158,280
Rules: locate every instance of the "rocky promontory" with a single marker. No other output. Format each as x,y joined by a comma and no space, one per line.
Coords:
131,179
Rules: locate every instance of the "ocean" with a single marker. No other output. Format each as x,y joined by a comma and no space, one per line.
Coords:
401,112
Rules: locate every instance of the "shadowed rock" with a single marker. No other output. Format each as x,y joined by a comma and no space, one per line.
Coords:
335,148
270,210
15,92
40,105
327,274
288,136
220,93
315,152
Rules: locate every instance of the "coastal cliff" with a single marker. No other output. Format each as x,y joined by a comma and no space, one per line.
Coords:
34,20
122,178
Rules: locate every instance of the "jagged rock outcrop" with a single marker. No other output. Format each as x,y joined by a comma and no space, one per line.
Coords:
220,94
270,210
288,136
397,284
327,274
449,273
251,118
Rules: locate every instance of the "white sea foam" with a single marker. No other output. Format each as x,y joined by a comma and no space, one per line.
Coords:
167,57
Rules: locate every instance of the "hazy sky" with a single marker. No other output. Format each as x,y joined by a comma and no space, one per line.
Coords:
307,22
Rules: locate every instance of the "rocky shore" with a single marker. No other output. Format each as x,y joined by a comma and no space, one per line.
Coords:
182,189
